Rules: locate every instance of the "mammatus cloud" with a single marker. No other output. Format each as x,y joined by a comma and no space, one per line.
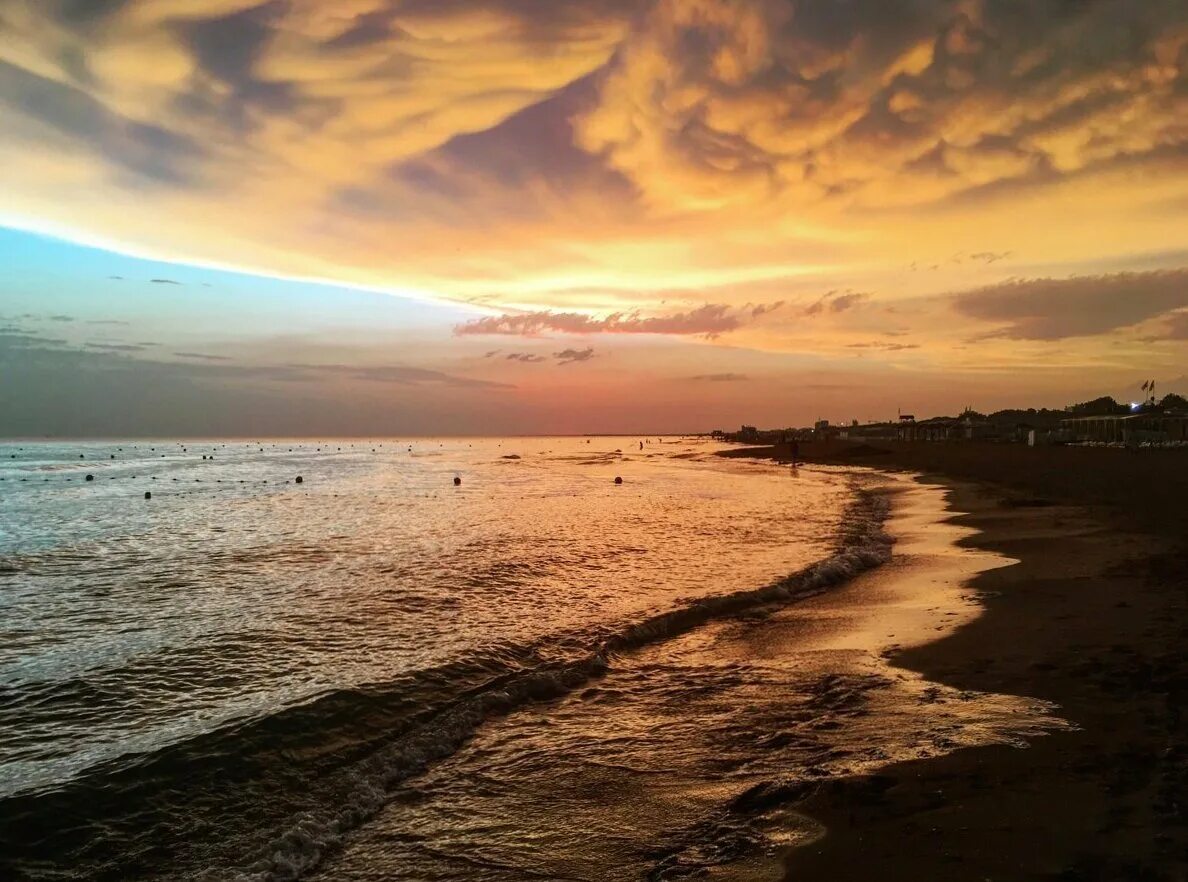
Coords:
579,142
576,167
572,356
1080,306
709,320
874,104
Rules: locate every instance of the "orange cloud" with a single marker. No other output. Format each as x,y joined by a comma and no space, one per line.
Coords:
609,166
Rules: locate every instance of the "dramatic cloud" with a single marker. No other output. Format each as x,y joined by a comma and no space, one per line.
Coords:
1053,309
876,103
518,151
700,170
709,320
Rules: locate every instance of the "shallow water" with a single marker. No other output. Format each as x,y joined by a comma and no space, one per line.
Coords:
376,674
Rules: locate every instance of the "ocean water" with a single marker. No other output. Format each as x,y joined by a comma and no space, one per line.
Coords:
379,674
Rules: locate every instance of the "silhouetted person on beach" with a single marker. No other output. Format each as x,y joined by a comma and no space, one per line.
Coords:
795,452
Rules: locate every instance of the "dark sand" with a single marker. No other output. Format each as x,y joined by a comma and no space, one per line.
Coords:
1091,618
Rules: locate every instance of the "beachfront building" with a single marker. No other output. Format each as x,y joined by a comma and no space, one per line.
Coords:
1133,428
963,428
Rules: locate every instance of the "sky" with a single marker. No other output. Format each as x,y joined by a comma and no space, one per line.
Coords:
541,216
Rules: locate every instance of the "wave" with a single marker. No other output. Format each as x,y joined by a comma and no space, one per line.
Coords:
282,790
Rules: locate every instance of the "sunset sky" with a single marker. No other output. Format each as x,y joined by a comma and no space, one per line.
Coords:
520,216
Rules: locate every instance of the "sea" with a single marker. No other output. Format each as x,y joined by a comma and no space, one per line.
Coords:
493,660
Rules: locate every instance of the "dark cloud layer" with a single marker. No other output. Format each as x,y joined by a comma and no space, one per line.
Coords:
53,387
1080,306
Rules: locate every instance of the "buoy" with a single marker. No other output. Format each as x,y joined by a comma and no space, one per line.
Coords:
90,477
299,479
113,456
457,481
148,495
618,480
80,456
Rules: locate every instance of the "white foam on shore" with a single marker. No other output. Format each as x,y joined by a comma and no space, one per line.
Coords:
303,845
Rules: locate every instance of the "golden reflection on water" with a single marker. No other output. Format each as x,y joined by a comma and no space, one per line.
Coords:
399,677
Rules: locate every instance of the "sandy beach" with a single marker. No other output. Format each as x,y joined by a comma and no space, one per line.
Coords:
1090,618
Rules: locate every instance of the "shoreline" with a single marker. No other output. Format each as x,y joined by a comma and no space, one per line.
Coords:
1091,618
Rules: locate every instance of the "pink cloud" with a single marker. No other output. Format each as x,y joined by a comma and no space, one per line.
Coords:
709,320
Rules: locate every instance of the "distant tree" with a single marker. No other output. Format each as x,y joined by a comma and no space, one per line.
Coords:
1172,401
1036,419
1104,406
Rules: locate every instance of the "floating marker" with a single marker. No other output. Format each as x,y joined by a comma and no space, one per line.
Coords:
457,481
299,479
618,480
148,495
90,477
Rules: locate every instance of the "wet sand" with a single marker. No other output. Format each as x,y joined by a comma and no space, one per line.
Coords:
1091,618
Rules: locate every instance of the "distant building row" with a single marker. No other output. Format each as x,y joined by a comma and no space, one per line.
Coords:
1157,427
